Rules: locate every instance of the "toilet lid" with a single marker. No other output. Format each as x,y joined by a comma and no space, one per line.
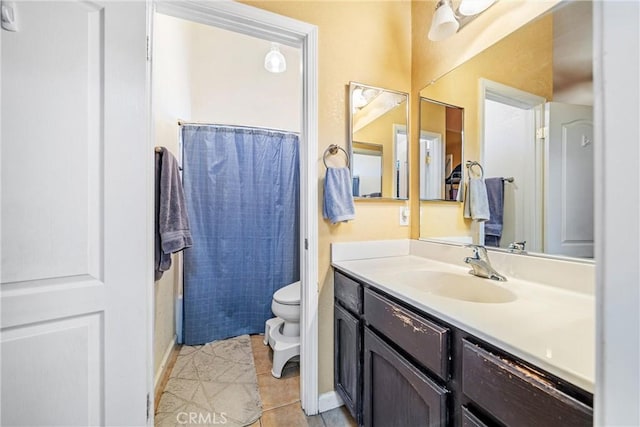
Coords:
290,294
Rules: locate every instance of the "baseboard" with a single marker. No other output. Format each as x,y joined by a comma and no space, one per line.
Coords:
328,401
163,365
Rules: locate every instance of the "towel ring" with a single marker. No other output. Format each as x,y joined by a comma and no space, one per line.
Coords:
471,164
333,150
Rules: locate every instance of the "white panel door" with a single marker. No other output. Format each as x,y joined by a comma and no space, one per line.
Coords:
75,257
568,217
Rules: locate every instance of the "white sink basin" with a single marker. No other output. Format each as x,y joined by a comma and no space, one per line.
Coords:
455,286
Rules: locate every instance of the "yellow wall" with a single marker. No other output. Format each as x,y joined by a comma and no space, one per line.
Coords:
380,131
368,42
523,60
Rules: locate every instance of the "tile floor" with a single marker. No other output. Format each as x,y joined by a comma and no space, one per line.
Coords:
280,397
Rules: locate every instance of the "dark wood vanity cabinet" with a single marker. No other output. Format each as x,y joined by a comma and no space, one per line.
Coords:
398,366
347,364
347,333
397,393
515,394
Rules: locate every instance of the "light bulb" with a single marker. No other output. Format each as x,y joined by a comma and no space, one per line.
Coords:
274,61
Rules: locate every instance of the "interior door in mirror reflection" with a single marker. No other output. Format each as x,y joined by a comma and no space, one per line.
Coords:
378,138
569,180
441,131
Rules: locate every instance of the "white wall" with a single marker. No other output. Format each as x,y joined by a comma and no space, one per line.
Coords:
171,101
617,108
205,74
229,84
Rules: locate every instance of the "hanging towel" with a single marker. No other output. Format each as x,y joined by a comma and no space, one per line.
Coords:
338,199
172,224
476,204
495,196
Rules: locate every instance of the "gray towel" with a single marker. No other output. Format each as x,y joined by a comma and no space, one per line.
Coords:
172,224
495,195
338,200
476,204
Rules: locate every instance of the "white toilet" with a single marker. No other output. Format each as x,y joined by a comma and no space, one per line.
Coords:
282,332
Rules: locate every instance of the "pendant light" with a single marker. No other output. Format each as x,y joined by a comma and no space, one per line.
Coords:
274,61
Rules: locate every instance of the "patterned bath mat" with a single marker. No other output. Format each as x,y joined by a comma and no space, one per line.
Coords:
212,384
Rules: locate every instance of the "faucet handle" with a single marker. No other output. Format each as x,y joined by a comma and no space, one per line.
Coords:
517,246
478,250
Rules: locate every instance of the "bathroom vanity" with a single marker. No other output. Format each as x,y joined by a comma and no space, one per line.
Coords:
410,351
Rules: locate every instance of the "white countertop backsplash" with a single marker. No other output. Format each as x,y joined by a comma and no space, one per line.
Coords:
550,324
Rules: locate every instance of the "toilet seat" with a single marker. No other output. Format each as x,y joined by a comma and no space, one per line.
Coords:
288,295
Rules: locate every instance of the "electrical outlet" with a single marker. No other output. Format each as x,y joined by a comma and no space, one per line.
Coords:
404,216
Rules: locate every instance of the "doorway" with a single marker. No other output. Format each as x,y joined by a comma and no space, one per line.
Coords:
264,25
511,150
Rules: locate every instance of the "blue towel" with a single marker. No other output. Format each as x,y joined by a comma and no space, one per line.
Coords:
495,194
338,199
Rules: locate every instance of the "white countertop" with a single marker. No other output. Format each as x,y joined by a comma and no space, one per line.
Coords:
547,326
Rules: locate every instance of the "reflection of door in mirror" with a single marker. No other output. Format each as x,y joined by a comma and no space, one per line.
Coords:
400,162
557,171
440,141
431,165
367,169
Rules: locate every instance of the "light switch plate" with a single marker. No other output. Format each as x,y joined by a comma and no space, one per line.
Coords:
404,216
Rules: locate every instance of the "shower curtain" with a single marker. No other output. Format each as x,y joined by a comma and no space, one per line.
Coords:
242,194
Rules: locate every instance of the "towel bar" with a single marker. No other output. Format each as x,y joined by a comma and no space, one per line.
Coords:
333,149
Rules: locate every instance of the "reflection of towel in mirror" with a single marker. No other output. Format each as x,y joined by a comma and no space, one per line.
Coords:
493,227
338,200
172,224
476,204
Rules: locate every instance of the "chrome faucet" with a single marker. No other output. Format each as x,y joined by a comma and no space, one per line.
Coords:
517,247
480,265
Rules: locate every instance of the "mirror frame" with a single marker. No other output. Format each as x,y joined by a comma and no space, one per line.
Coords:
352,86
462,136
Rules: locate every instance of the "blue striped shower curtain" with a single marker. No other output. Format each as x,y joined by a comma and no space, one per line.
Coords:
242,193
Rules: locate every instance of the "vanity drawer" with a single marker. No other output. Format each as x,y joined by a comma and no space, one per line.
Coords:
516,395
470,420
419,337
348,292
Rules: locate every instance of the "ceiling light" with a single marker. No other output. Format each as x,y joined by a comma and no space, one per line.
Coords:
274,60
474,7
444,23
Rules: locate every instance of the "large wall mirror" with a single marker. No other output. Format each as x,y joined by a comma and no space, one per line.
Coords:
379,148
528,107
441,142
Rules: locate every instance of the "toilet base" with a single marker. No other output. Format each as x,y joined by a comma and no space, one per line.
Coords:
284,347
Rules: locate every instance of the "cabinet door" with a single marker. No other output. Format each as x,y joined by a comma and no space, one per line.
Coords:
397,394
347,362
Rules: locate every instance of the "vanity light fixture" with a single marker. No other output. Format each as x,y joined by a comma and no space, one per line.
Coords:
446,22
474,7
274,60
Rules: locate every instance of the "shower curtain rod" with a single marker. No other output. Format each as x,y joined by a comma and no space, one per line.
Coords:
184,122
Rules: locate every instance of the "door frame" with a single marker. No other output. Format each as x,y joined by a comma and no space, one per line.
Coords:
270,26
518,98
